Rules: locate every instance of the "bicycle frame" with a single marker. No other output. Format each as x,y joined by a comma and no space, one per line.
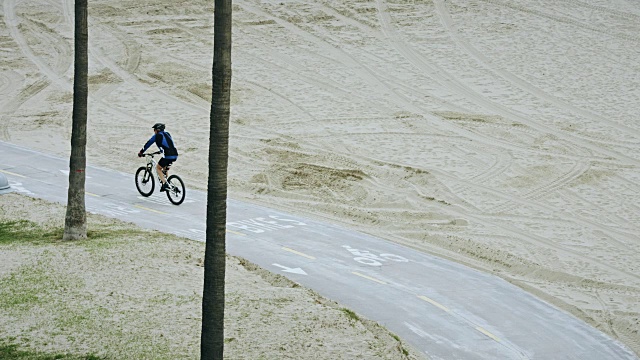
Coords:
151,165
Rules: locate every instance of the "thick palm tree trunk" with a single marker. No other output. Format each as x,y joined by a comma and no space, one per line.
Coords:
75,226
212,339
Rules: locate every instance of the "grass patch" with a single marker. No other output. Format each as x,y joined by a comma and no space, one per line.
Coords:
65,292
405,352
32,284
350,314
9,351
26,231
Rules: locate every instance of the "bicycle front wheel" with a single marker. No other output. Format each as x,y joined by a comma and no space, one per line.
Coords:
144,181
176,190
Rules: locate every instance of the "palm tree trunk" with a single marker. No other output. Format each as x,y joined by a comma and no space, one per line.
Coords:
75,226
212,338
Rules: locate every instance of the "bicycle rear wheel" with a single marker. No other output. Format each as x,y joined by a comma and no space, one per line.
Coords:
144,181
176,191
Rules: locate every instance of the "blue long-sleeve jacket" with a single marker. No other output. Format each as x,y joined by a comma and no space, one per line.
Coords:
165,143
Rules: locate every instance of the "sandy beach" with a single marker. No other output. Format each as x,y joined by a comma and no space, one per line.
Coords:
503,135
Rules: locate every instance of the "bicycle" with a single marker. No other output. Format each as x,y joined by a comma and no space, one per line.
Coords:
145,182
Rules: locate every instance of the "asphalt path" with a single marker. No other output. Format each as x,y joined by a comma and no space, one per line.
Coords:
444,309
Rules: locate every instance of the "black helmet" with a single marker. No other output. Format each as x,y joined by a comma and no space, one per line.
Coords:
158,126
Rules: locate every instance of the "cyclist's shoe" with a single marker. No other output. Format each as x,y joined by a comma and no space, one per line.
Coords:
164,187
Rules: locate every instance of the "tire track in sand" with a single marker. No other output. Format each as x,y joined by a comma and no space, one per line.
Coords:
12,22
456,86
465,45
388,91
126,73
561,19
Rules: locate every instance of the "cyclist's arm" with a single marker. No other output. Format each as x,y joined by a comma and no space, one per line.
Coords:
159,140
149,143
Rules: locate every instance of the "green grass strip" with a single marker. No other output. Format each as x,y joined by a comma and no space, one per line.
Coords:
10,351
26,231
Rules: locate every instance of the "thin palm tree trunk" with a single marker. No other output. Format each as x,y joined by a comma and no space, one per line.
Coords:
75,226
212,338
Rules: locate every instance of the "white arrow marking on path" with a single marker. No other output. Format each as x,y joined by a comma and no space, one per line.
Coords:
291,270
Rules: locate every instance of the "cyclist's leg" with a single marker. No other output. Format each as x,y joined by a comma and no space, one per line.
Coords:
159,169
163,165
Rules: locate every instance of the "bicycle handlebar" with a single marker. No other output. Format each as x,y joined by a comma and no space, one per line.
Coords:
154,153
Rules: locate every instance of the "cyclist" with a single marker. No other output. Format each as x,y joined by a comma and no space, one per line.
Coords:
165,144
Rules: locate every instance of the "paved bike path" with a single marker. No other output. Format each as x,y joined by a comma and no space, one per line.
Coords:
441,308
